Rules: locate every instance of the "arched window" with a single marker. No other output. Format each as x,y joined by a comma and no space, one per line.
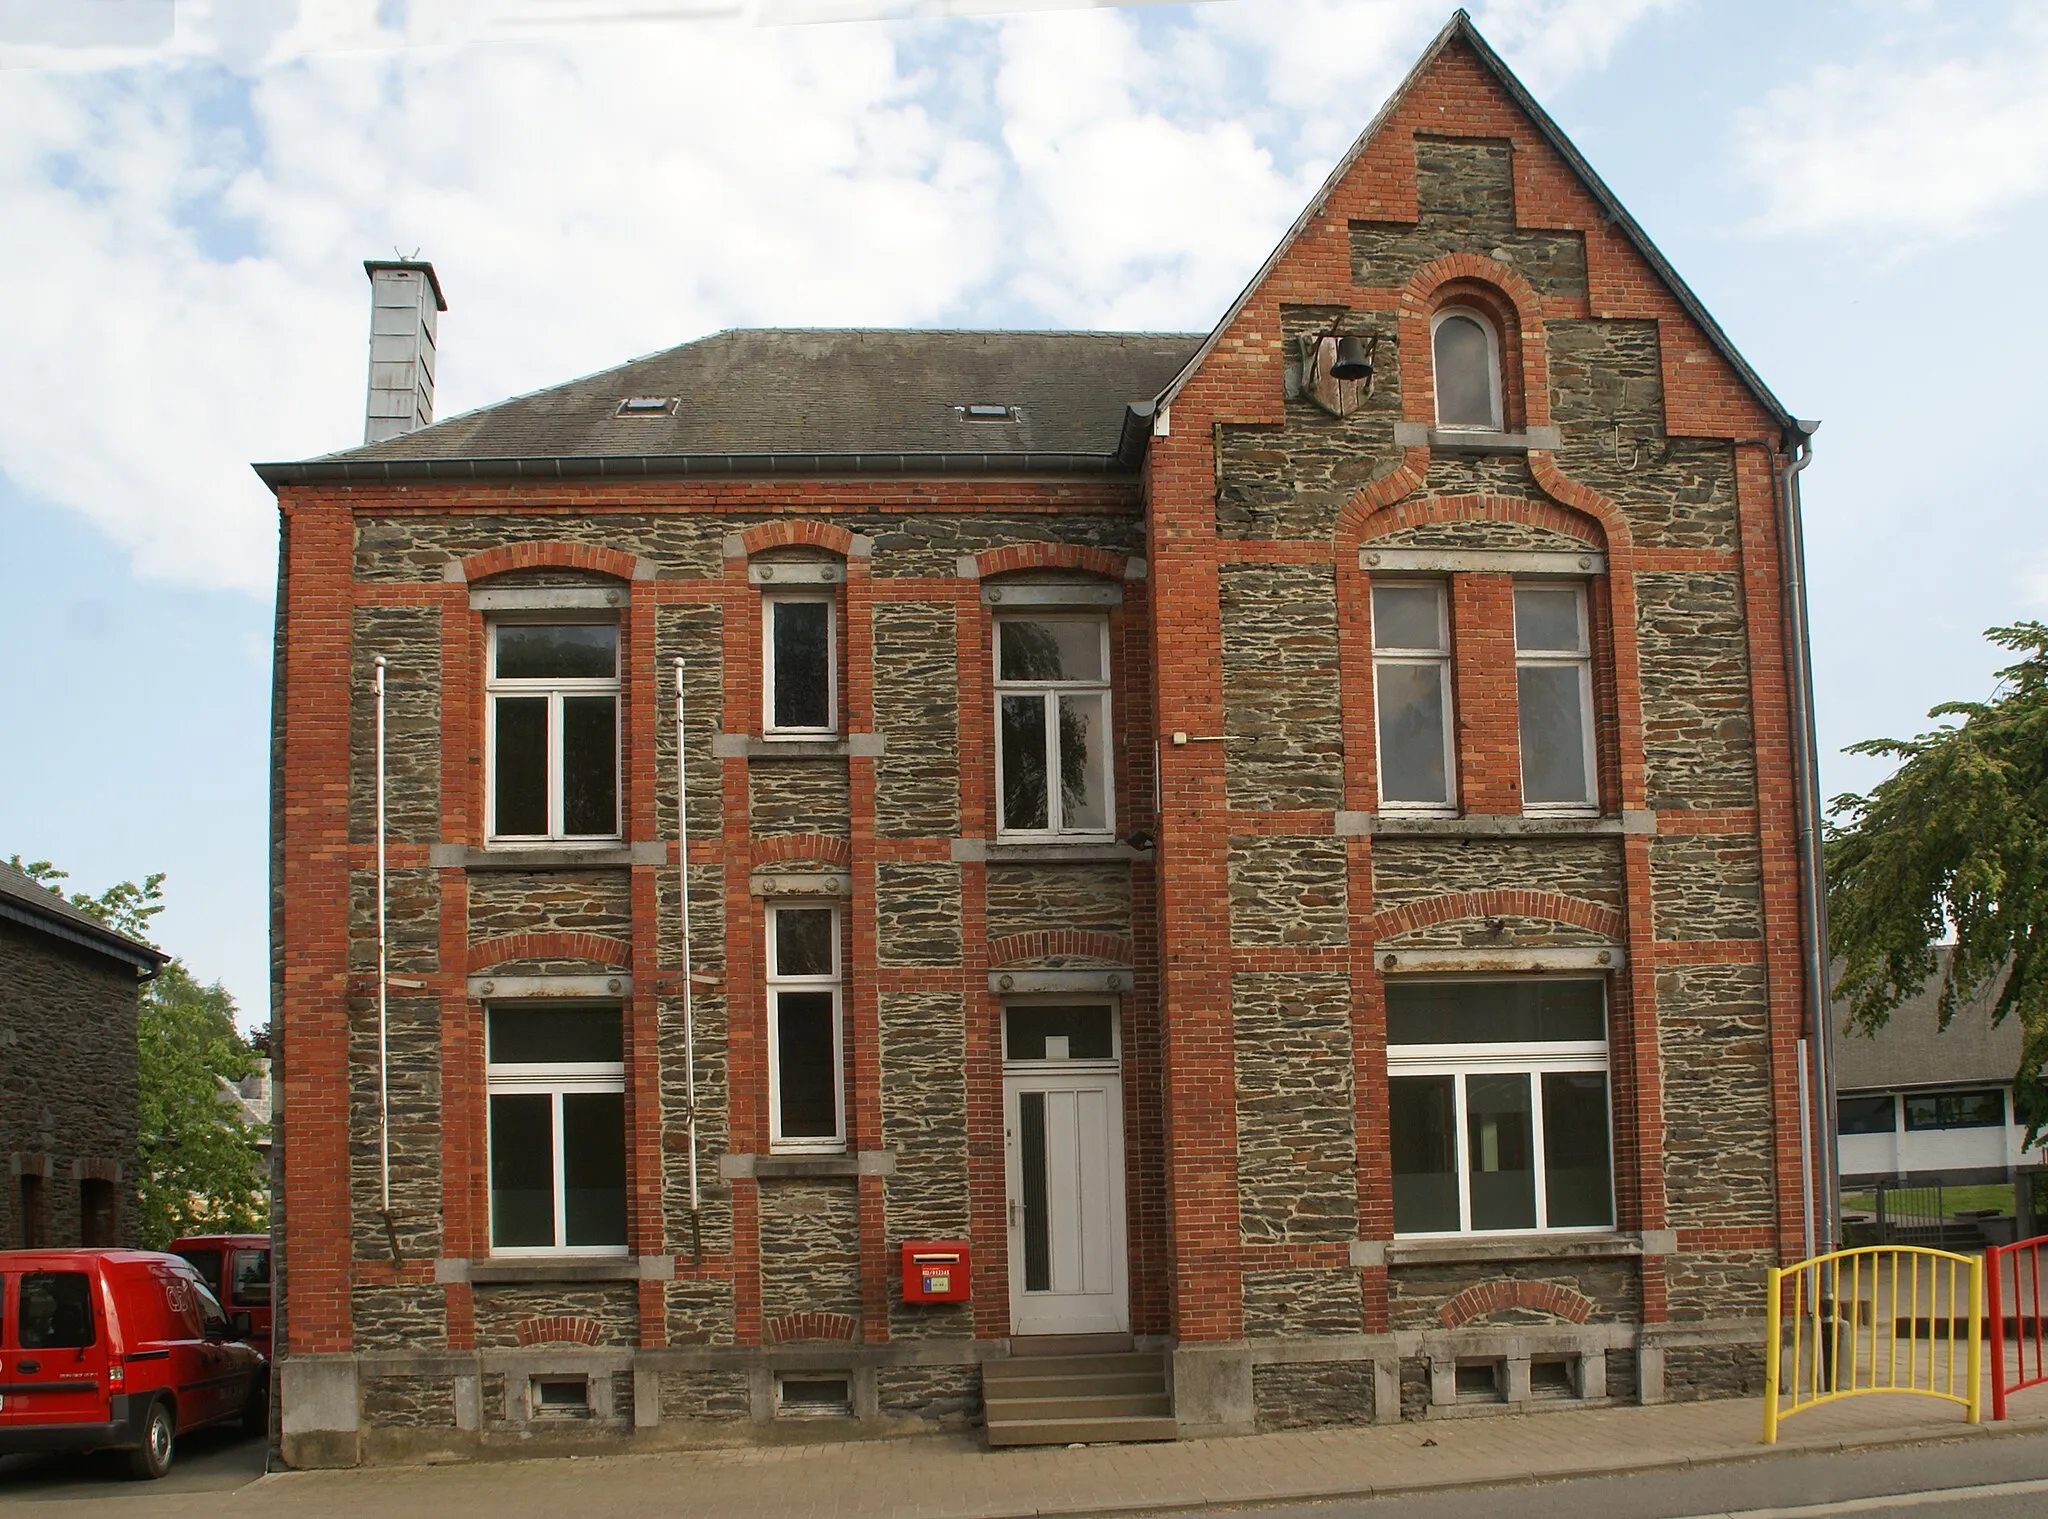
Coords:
1466,350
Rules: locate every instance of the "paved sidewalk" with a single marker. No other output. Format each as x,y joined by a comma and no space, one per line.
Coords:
955,1478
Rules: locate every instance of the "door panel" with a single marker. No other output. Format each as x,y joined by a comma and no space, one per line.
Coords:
1066,1176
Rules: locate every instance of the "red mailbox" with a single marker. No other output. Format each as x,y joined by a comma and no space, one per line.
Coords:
935,1271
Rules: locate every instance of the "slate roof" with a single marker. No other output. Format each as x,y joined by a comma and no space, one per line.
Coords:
816,398
24,901
1913,1050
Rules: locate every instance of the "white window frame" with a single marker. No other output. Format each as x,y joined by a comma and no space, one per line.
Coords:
1582,657
1109,1002
769,603
1049,691
554,1080
1385,654
555,691
1535,1059
835,983
1492,332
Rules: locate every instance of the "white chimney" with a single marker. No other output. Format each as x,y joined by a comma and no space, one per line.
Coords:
405,302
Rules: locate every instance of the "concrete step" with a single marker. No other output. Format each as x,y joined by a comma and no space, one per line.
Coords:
1068,1344
1064,1386
1122,1405
1071,1366
1107,1431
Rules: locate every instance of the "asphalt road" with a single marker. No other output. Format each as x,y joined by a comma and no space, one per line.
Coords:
1977,1479
207,1461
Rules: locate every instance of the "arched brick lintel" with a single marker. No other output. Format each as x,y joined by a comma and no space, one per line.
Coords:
1491,1297
809,1326
1577,912
801,846
1049,556
1573,523
556,1329
800,532
1424,283
1013,949
547,945
547,553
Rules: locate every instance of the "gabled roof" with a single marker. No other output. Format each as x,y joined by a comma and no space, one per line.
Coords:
808,401
25,901
1460,29
1914,1050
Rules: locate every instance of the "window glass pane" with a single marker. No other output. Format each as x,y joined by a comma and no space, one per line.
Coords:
802,661
522,1170
252,1276
590,765
1049,650
1547,618
520,784
1866,1115
1496,1012
1087,1031
1500,1144
528,1035
1407,617
55,1311
1035,1202
558,651
807,1065
1025,799
1411,714
594,1168
803,941
212,1317
206,1263
1955,1110
1464,374
1422,1118
1552,699
1577,1174
1084,763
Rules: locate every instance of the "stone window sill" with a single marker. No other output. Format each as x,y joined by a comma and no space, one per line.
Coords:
1536,1247
563,857
588,1268
1089,852
1493,825
1458,441
746,746
790,1167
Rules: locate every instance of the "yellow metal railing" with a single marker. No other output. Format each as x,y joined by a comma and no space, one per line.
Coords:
1880,1318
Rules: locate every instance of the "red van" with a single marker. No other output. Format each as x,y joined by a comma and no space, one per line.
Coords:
236,1269
118,1350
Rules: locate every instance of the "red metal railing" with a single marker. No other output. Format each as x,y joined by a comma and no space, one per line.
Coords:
2029,1341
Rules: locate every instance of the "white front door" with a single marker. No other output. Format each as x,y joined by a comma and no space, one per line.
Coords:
1063,1134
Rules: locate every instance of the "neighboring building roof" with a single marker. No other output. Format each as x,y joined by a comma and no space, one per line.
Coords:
808,401
1460,29
1913,1050
25,901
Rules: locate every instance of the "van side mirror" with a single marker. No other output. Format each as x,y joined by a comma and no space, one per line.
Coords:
238,1324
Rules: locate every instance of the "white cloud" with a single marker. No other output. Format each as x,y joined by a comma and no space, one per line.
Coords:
186,218
1904,147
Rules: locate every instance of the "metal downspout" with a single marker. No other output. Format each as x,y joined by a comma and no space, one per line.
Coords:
1818,1110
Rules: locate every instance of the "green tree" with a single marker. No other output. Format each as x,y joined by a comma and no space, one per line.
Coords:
1955,841
199,1170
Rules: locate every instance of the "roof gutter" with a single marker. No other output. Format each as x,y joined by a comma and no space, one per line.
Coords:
669,466
1824,1175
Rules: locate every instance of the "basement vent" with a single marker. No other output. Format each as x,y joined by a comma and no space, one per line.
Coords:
1480,1382
1554,1377
647,406
988,413
561,1397
813,1395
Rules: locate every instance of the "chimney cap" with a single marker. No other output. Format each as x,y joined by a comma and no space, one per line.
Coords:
372,267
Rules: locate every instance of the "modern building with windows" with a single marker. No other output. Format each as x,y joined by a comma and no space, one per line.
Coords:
918,870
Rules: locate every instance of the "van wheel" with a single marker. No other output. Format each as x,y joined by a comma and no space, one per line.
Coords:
152,1458
256,1412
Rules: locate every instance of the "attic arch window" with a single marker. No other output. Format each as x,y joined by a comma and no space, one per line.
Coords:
1465,356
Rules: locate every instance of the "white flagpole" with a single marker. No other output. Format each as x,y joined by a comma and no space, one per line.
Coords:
383,971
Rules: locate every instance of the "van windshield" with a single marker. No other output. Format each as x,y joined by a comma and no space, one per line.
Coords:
56,1310
252,1277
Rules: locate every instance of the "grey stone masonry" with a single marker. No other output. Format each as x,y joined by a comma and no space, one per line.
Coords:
693,635
1023,899
409,639
1287,891
929,546
1303,1395
501,1310
917,680
1413,870
1297,1152
799,796
924,1113
1280,704
1705,886
917,914
1465,198
412,921
700,1312
413,1036
1719,1162
713,1224
810,1248
1415,1293
1698,735
1302,1302
562,901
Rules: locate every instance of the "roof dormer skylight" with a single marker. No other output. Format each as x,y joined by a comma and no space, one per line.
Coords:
647,406
987,412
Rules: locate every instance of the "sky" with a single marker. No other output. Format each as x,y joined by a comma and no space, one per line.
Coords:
188,190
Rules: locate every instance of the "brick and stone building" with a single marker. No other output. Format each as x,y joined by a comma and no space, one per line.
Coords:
68,993
1283,845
